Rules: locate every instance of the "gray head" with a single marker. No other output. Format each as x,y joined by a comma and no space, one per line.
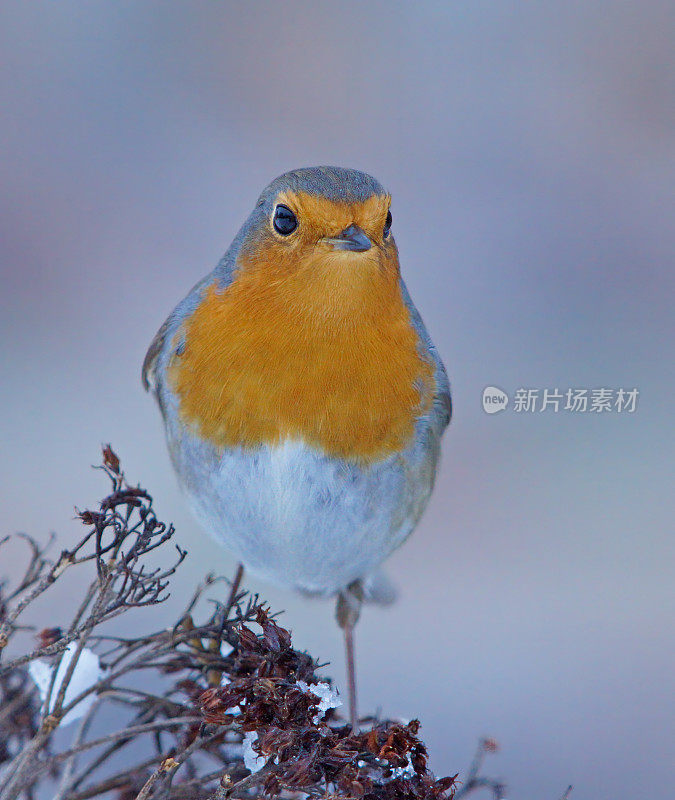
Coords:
333,183
315,210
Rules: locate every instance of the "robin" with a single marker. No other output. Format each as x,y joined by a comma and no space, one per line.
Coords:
303,399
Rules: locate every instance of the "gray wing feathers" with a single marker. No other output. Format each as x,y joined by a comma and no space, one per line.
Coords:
148,373
442,405
155,359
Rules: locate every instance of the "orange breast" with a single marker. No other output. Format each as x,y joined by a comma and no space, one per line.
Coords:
304,355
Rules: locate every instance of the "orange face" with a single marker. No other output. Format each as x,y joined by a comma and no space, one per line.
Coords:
310,262
308,341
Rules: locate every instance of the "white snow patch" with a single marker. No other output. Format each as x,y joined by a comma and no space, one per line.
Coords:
87,673
404,772
252,760
328,697
225,680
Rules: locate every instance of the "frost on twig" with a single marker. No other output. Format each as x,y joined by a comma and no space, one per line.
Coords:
217,705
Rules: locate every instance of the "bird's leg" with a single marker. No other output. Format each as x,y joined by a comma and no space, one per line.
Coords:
347,611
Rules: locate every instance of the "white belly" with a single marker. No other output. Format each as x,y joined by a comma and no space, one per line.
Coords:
301,519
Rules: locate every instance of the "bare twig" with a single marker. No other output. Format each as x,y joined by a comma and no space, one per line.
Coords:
71,760
474,780
217,676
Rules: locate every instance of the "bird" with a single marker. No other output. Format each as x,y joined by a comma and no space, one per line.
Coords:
303,399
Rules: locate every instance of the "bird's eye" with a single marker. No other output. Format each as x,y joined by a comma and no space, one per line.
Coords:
387,225
285,221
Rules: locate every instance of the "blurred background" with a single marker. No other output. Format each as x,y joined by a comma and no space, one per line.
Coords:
530,151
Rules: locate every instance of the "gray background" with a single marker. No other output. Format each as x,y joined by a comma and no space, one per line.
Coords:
529,148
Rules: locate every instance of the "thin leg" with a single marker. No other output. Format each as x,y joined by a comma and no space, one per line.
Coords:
351,677
347,611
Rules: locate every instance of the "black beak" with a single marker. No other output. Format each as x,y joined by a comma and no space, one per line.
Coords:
351,238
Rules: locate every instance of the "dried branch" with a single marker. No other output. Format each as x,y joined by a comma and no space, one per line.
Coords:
229,692
474,780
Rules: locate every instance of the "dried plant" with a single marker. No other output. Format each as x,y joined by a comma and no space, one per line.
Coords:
233,709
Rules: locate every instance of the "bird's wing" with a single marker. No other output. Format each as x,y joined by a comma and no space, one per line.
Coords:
442,402
152,363
223,275
148,374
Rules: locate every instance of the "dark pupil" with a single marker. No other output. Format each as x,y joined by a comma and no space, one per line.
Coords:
284,220
387,224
